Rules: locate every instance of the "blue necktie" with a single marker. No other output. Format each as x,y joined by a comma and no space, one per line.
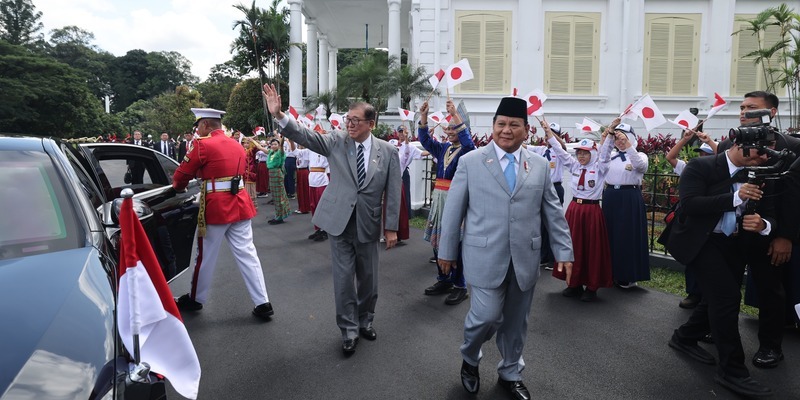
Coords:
728,225
510,173
547,154
621,156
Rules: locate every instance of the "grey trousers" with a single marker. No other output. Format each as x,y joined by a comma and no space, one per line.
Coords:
503,310
355,280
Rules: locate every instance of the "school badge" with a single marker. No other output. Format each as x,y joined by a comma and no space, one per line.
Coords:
591,183
628,167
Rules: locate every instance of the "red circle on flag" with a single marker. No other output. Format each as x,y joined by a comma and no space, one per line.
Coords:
586,128
335,123
648,112
535,102
683,123
435,118
456,73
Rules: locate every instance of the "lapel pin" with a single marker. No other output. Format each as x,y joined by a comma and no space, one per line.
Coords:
525,165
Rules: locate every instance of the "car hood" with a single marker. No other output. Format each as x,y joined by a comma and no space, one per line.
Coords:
57,330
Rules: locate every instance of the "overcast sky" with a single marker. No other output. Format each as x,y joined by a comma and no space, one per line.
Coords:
201,30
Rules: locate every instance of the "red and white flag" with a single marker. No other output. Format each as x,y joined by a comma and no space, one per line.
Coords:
685,120
535,100
458,73
514,92
337,121
646,108
293,113
588,125
306,121
259,130
436,78
320,112
146,308
405,115
436,117
719,104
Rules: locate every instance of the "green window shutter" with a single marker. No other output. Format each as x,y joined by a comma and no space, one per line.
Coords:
571,56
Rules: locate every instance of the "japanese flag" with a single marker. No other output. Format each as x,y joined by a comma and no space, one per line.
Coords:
405,115
306,121
588,125
259,130
436,117
459,72
146,308
336,121
535,100
685,120
293,113
719,104
320,112
436,78
646,108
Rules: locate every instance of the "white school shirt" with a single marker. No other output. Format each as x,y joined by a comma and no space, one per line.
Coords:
302,157
628,172
317,179
408,153
594,178
555,164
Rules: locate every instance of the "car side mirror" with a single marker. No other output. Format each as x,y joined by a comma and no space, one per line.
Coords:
141,208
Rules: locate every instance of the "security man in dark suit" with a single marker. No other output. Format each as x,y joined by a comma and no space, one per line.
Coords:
768,271
716,239
165,146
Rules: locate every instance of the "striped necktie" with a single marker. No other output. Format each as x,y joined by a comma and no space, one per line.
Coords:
362,174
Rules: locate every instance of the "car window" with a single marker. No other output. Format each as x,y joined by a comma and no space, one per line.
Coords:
38,215
115,171
169,166
87,184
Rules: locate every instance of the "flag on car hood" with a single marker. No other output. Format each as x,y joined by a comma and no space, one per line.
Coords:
146,307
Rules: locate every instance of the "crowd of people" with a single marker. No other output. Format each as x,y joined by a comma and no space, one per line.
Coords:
497,217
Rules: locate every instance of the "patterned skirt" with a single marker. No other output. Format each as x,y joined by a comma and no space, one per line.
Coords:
278,192
434,226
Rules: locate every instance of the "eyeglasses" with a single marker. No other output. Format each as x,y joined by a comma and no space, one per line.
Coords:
354,121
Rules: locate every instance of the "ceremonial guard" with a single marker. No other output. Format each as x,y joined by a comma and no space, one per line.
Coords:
225,212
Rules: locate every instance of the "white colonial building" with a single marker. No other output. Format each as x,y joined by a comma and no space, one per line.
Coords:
591,57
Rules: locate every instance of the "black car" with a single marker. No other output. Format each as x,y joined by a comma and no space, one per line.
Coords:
58,261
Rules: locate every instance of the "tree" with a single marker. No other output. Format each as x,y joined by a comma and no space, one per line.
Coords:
366,80
73,46
329,100
216,90
168,112
245,111
410,81
20,23
140,75
44,97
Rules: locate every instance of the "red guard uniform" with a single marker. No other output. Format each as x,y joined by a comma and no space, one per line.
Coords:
216,159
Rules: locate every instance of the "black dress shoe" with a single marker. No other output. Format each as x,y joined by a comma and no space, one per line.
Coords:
691,301
708,339
692,350
589,296
186,303
275,221
572,291
349,346
368,333
314,235
440,287
470,377
517,389
263,310
767,358
744,386
456,296
433,260
323,236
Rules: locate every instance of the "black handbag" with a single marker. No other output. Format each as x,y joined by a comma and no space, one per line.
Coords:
128,178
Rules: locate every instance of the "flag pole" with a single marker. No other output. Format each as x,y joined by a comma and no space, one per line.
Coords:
136,322
430,94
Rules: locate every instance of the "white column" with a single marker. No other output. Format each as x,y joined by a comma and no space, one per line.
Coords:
312,87
333,63
323,64
295,54
394,46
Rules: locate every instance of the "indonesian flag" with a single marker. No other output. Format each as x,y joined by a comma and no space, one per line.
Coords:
719,104
405,115
535,100
458,73
318,128
310,116
436,78
436,117
291,111
588,125
685,120
146,308
259,130
646,108
320,112
336,121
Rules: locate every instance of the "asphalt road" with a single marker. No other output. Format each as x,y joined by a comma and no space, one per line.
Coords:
615,348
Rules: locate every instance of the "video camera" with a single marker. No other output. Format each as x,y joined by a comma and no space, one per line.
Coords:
755,135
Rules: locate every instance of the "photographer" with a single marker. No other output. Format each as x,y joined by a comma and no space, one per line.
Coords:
715,236
768,270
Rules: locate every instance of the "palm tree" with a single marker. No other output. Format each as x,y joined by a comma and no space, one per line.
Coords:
410,81
329,100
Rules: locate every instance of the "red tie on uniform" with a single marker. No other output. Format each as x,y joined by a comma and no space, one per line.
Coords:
581,179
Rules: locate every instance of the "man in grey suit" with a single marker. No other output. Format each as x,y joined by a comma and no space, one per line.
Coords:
502,195
364,172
